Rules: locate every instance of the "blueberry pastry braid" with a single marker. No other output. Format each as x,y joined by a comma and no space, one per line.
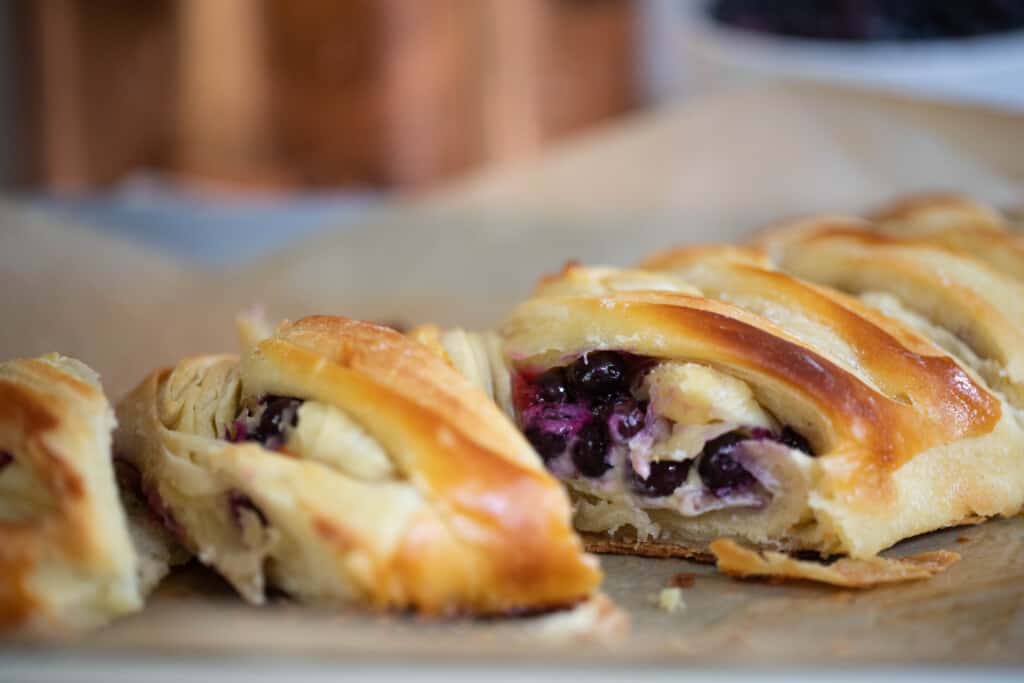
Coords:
957,285
66,555
344,463
777,414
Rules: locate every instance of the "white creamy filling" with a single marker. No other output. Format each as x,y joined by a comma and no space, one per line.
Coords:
675,442
692,394
326,434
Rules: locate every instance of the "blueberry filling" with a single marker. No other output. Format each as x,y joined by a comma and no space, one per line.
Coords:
790,437
553,386
625,417
279,412
599,374
665,477
239,431
590,451
239,502
717,467
548,444
582,409
267,422
588,417
5,459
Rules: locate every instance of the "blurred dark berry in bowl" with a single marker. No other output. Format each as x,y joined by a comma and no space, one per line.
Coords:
871,20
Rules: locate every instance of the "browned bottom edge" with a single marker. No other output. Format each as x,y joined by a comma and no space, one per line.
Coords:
604,545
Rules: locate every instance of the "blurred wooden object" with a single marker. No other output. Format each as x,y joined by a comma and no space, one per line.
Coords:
511,82
590,64
384,93
373,92
224,127
98,88
408,93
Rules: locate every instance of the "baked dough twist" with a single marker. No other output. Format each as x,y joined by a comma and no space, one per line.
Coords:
343,462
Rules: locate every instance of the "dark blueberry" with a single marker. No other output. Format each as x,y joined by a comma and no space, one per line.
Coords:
553,386
614,400
237,502
590,452
792,438
280,412
665,477
717,466
628,418
874,20
5,459
548,444
600,373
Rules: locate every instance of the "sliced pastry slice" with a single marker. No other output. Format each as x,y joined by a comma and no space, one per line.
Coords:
778,414
342,462
66,555
968,305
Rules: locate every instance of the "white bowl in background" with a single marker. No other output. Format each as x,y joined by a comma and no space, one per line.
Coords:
987,70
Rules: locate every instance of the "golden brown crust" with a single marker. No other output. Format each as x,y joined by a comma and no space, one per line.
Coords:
680,258
976,303
66,560
886,354
959,223
937,210
741,562
482,526
430,337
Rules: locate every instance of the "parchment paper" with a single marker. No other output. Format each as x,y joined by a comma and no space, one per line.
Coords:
705,170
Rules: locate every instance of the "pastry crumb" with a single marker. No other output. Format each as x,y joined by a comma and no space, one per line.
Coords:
596,619
963,539
846,572
670,600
